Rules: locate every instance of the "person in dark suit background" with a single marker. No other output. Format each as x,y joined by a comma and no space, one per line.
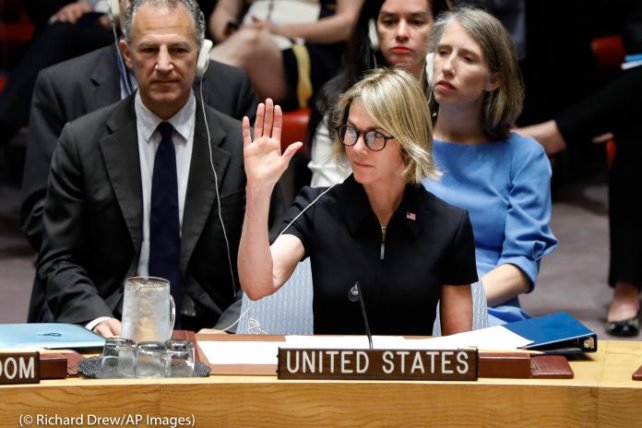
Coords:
81,85
64,29
44,13
613,108
97,208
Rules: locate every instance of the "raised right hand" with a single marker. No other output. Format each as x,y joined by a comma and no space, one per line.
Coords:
264,163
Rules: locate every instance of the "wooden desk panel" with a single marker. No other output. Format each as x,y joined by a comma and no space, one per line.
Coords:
601,394
620,398
388,404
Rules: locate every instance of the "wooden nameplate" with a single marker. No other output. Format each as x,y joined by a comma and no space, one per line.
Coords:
377,364
19,367
509,364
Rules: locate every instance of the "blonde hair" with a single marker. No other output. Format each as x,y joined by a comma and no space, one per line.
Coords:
502,106
397,102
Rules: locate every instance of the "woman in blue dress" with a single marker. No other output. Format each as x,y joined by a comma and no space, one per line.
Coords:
500,177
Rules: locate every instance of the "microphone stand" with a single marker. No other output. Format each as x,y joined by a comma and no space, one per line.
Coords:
357,288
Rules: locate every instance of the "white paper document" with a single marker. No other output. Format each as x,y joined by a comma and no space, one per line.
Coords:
495,338
344,342
230,352
265,352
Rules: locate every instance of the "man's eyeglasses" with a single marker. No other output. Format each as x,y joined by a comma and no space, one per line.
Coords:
374,140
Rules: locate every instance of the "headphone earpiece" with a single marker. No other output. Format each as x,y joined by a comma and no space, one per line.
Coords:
203,57
113,7
372,35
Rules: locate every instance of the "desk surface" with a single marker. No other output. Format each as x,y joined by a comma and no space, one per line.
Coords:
602,394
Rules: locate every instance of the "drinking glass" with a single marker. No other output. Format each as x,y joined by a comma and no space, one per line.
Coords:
117,353
150,359
127,360
180,358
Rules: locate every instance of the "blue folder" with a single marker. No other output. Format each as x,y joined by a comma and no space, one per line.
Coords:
556,333
47,336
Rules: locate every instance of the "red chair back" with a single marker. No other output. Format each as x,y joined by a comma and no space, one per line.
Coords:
295,127
609,52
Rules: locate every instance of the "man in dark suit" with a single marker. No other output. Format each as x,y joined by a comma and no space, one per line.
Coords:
97,208
81,85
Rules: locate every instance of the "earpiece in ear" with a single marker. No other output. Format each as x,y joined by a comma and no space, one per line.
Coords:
430,63
203,57
372,35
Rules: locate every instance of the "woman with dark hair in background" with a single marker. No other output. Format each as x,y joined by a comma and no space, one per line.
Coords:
387,33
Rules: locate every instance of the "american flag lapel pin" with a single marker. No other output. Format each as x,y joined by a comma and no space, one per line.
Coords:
411,216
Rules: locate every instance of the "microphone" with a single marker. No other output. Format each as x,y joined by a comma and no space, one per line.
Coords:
354,295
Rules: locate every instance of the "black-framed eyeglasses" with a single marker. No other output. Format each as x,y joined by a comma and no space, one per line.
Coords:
375,140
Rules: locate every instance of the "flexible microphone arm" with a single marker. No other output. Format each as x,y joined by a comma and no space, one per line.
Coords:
355,294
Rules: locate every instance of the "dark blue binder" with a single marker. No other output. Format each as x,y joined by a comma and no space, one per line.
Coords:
556,333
